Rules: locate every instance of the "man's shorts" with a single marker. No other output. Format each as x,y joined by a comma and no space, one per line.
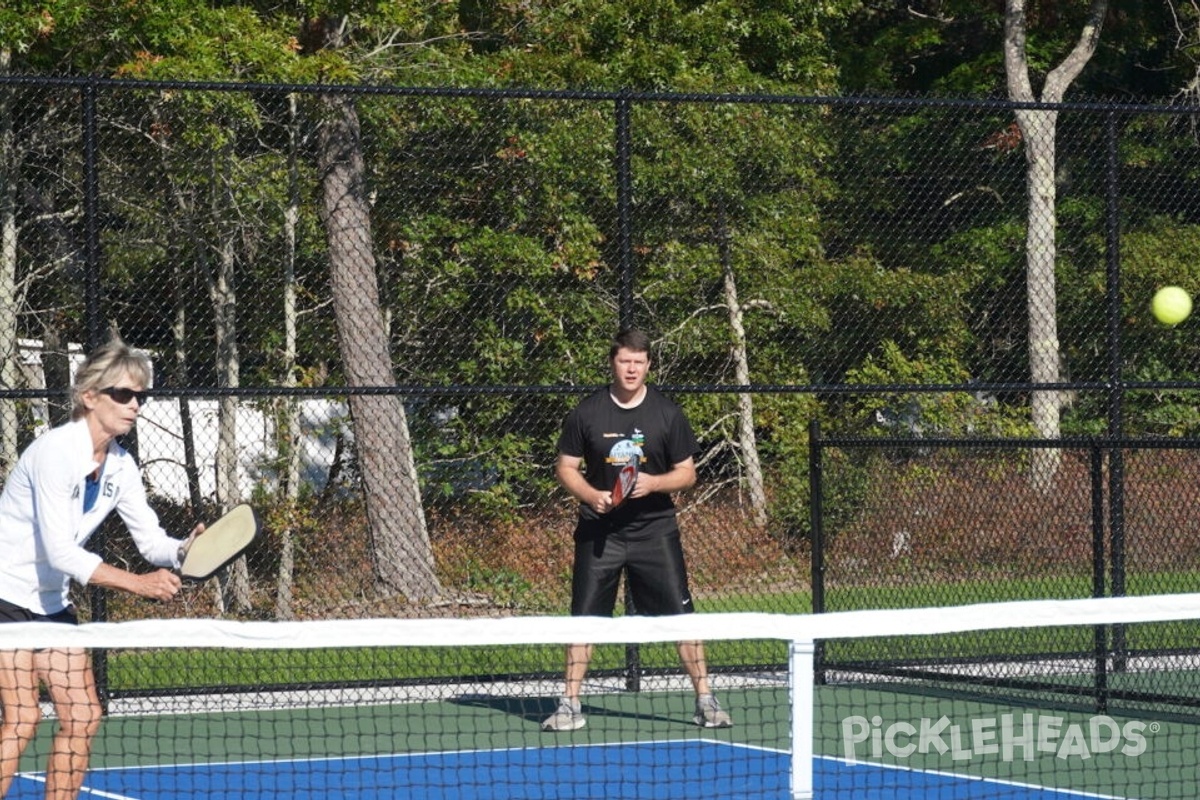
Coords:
11,612
654,566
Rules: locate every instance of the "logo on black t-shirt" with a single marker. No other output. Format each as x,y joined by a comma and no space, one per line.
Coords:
626,451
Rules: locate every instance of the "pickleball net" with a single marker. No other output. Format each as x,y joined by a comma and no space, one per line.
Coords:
1037,699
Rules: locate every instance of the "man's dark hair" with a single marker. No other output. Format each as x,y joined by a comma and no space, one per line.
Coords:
629,339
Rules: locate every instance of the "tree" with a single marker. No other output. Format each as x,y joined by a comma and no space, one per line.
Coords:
747,441
287,414
222,179
725,195
403,556
9,166
25,27
1038,132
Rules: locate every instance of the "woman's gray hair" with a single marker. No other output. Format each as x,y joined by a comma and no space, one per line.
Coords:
106,365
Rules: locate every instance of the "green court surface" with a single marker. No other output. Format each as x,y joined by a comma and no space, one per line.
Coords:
1032,743
1042,746
473,721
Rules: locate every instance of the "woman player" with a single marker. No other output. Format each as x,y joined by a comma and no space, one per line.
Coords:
63,486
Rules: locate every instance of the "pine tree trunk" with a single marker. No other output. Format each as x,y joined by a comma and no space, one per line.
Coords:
403,556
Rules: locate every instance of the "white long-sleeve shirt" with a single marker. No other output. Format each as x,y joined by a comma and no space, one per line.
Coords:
43,527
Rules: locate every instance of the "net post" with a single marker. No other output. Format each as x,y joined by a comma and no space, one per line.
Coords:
801,686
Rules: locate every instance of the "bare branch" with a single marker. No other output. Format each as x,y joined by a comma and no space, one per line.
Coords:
1065,73
392,41
954,198
935,18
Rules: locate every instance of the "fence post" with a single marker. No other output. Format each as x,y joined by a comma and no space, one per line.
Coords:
1100,678
91,217
97,596
816,514
633,659
1116,521
1116,385
624,211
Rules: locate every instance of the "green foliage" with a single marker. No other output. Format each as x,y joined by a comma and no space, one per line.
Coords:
506,588
955,47
1163,252
26,26
786,449
870,245
707,46
934,413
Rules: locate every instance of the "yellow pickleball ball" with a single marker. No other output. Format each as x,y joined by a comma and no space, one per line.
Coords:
1171,305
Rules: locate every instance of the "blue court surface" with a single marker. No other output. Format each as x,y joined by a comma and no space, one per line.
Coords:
641,771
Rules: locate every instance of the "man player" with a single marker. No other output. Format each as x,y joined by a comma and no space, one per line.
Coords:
628,422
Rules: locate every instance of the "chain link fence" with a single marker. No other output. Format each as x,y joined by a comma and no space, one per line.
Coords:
370,309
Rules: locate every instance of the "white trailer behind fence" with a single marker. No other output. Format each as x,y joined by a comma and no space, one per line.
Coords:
161,447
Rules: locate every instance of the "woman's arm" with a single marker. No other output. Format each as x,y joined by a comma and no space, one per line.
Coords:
161,584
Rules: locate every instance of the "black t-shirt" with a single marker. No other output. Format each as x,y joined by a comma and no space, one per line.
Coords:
607,436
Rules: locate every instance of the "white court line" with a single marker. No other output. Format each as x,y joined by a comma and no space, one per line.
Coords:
973,778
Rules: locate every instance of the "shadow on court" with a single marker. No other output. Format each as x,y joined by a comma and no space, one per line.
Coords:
536,709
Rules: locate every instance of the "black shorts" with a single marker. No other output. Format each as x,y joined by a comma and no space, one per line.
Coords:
11,612
656,576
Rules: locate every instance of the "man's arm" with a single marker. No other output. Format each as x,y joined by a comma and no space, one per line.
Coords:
681,476
567,471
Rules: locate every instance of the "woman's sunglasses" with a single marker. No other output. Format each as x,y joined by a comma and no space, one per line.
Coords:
123,395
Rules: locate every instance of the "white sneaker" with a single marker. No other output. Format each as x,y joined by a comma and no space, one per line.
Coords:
567,717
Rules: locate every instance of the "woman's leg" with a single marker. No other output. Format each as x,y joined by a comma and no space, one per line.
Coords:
68,676
20,709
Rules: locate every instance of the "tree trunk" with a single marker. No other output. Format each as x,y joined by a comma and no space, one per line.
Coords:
1038,130
8,273
178,376
56,368
222,291
182,289
61,253
403,557
288,421
1041,292
235,580
747,441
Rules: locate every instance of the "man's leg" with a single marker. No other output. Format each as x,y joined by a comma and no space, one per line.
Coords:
658,579
709,713
578,657
691,655
595,575
568,716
